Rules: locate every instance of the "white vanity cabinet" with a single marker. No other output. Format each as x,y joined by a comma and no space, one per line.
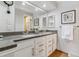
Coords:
45,45
41,46
25,49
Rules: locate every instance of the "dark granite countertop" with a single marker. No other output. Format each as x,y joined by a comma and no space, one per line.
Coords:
34,36
9,42
8,47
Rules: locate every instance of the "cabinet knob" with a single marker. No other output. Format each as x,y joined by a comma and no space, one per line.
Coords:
41,50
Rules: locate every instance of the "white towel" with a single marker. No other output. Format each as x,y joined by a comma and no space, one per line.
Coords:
67,32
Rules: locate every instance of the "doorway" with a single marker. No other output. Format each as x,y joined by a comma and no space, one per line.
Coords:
27,23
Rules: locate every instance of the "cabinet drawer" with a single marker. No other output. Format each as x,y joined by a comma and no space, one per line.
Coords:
39,41
26,43
40,52
49,37
40,46
49,42
49,45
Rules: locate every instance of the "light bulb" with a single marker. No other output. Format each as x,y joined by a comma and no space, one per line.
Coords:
44,5
36,9
23,3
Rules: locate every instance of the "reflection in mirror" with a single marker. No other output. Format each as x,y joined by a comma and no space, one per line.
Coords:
44,22
22,20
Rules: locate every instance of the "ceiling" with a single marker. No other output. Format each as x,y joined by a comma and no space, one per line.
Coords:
36,7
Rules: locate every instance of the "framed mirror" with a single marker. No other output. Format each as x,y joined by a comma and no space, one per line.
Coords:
36,22
44,21
51,21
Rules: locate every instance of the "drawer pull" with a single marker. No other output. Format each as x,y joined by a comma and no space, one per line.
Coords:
38,42
41,45
49,45
41,50
49,41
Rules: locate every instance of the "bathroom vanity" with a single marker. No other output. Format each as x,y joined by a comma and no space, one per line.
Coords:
30,45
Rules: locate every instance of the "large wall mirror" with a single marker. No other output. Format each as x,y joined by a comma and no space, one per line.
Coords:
36,21
13,22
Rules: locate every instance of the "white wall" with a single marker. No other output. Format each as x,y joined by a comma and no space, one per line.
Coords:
66,6
11,22
62,7
46,15
19,19
6,20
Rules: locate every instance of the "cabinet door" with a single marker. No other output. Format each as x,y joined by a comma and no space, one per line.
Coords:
25,52
40,52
